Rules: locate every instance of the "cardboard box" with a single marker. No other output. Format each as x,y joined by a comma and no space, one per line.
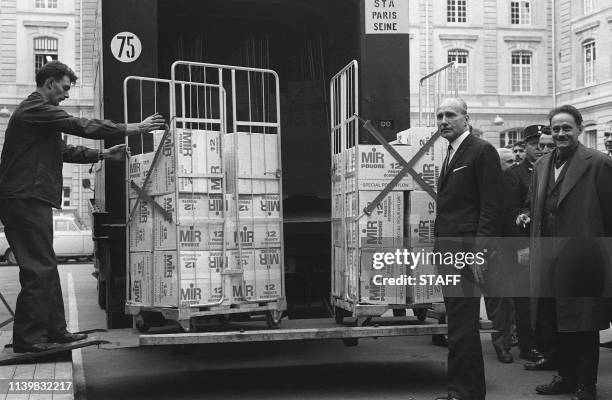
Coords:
201,264
430,165
254,234
419,294
164,231
267,206
200,292
198,208
375,167
140,278
200,185
140,227
267,273
252,162
385,226
242,283
138,167
372,289
421,217
200,237
199,152
164,173
165,279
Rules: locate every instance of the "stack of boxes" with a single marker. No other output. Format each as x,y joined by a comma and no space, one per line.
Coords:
223,242
403,219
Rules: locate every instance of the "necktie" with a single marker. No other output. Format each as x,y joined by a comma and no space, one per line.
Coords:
446,160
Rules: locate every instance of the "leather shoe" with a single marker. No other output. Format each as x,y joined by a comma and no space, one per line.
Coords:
504,356
585,392
68,337
532,355
543,364
34,347
558,385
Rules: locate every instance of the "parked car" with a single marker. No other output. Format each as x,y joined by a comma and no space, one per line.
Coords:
70,240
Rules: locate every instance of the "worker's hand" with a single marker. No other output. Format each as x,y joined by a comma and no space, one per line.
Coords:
151,123
115,153
523,220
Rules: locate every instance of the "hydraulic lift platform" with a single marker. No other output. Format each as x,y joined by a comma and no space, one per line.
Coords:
301,329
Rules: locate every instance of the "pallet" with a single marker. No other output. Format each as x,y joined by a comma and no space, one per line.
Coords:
363,313
185,316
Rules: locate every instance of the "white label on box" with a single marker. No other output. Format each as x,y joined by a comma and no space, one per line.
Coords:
140,268
140,228
376,167
200,291
385,226
165,279
268,283
164,233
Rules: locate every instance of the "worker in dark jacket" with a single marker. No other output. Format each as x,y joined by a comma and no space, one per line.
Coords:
517,180
31,184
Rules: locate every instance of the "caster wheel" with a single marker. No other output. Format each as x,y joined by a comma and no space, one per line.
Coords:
421,314
273,319
399,312
339,315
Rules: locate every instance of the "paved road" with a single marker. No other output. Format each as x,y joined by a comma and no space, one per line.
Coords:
392,368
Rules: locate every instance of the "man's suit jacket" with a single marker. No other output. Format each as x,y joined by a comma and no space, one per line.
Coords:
469,202
574,265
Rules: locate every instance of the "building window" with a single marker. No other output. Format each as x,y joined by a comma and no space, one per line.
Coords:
66,196
45,4
521,71
510,137
456,11
590,137
460,76
520,13
589,61
587,6
45,50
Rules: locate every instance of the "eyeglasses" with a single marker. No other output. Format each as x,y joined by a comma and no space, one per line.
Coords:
543,146
607,134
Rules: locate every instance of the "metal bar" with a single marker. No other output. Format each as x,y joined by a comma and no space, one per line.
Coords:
406,170
144,196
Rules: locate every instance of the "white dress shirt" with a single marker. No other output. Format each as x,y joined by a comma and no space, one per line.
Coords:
456,143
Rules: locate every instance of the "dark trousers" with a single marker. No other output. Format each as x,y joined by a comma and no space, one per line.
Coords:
500,311
522,316
39,314
466,378
579,359
546,328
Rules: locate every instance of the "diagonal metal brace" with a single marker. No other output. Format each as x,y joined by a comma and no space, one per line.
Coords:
407,165
144,196
147,180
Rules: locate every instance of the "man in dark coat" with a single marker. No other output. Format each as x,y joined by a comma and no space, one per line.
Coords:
469,216
31,184
516,188
571,225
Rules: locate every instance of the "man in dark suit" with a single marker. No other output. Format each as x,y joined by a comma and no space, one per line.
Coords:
571,225
608,138
469,216
516,188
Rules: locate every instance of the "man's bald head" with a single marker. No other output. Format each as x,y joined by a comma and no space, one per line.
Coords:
452,118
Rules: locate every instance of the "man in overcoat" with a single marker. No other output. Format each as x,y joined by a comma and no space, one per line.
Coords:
571,227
